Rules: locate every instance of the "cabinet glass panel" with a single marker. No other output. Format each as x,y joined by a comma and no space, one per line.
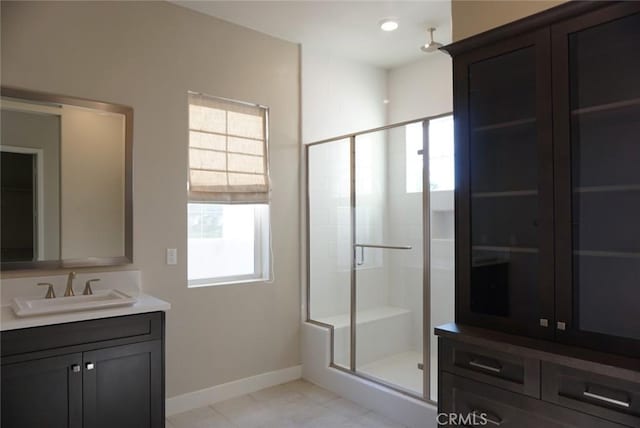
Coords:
604,69
504,185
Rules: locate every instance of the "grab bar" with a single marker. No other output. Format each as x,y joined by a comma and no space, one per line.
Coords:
390,247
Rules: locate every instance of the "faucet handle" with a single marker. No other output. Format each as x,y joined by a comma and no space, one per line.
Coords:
87,286
50,291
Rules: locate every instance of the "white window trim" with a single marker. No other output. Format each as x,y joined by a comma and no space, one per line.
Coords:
261,256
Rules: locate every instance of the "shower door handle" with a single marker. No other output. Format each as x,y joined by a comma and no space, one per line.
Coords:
361,261
363,246
388,247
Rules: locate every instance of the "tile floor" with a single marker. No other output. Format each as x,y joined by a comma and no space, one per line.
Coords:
294,404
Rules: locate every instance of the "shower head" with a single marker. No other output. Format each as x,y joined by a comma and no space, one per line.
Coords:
431,45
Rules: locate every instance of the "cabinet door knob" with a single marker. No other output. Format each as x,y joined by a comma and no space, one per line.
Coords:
561,326
544,322
89,366
75,368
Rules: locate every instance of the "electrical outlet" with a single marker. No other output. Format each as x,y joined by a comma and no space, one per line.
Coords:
172,256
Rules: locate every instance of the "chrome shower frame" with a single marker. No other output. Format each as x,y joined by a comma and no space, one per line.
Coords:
426,286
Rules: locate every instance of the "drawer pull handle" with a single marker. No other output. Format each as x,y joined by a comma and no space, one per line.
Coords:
485,367
599,397
494,420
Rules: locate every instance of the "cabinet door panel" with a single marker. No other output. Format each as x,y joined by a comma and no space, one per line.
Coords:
122,386
45,393
597,153
505,185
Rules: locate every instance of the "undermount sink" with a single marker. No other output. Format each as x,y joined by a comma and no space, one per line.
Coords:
24,307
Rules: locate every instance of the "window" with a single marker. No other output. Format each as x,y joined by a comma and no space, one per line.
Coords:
441,156
228,211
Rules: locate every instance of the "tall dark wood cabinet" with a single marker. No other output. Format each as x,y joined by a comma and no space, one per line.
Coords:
596,62
504,202
547,132
547,116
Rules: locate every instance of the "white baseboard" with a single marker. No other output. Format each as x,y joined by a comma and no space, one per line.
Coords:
225,391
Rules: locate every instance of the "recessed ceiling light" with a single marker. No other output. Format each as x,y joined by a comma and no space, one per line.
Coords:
388,24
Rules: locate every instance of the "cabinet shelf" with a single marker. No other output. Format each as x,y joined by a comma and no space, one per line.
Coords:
615,254
502,125
610,188
507,194
527,250
606,107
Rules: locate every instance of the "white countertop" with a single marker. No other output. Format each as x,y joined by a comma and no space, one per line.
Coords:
145,303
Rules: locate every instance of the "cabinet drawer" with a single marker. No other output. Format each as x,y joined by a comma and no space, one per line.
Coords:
501,369
84,334
603,396
462,398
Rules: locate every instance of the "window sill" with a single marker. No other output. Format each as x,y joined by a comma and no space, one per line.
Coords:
236,282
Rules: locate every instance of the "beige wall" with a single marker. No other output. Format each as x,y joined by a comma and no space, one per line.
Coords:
148,55
470,17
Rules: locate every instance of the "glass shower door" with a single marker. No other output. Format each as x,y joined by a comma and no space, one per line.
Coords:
380,224
389,268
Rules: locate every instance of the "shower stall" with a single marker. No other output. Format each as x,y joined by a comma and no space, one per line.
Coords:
380,237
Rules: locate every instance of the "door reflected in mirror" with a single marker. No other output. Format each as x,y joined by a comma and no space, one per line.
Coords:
65,181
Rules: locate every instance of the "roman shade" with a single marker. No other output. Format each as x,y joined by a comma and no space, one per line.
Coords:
228,156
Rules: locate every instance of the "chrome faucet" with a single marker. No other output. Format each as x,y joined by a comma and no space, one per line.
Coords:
69,290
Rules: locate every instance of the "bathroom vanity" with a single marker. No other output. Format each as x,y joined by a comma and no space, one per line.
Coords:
95,368
96,359
106,372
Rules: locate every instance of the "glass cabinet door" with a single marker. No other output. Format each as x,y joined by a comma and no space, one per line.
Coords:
506,189
598,179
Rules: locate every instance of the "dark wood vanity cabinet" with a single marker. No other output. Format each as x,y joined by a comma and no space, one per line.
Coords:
547,130
101,373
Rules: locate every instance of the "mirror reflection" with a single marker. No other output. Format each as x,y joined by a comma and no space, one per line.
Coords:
63,180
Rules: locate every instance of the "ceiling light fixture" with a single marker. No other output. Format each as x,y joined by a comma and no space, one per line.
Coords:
388,24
